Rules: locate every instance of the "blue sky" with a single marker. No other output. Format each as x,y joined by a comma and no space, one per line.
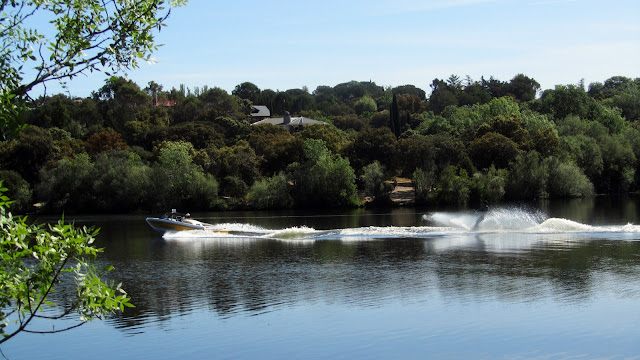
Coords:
285,44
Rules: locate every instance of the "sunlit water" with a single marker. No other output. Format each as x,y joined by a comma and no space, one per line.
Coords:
522,283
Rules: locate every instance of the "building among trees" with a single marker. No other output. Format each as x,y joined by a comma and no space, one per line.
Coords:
292,124
259,112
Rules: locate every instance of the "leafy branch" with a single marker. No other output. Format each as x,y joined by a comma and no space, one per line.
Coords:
35,259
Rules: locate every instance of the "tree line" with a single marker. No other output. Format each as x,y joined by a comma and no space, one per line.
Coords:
127,148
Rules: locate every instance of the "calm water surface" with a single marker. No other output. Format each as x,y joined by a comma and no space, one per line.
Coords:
550,281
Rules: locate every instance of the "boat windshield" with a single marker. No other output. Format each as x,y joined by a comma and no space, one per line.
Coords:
174,216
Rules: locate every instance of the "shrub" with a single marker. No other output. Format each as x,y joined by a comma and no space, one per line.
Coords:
68,185
374,180
422,182
527,178
123,182
453,186
323,179
491,183
365,104
179,183
566,179
493,149
19,191
270,193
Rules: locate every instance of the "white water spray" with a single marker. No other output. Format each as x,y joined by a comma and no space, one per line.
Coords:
498,219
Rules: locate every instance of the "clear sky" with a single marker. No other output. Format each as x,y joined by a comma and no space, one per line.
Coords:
285,44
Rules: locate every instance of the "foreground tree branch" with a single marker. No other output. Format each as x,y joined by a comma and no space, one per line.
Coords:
88,36
34,260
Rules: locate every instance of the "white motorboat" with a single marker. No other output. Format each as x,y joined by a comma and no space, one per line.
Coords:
174,221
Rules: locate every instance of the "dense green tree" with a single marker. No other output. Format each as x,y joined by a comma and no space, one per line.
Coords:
586,152
349,122
155,116
60,185
453,186
380,119
122,182
323,179
233,187
29,153
418,152
621,92
276,146
105,140
422,182
450,151
86,114
365,104
119,100
566,179
55,111
333,138
200,135
249,91
187,110
153,89
356,89
546,142
374,178
325,95
442,95
490,183
619,164
528,177
493,149
267,97
271,193
434,124
371,145
409,90
510,127
302,102
282,102
494,87
573,100
218,103
239,160
410,103
179,183
473,93
232,130
18,190
523,87
395,122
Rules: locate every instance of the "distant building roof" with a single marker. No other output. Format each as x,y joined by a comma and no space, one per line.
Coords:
260,111
295,121
293,124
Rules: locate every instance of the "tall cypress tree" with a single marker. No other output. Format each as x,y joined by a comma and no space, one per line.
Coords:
394,116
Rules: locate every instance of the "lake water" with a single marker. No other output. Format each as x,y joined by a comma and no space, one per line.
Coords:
554,280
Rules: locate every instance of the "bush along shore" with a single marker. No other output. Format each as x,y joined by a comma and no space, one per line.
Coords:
128,149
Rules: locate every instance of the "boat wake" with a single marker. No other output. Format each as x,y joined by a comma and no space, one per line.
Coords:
438,224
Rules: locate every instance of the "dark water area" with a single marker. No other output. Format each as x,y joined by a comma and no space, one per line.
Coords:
550,280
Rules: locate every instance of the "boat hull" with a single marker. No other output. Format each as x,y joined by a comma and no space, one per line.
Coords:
169,225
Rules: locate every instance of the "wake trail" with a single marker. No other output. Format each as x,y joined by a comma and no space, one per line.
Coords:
438,224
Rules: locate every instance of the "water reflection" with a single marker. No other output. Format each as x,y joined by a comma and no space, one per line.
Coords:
411,262
247,277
